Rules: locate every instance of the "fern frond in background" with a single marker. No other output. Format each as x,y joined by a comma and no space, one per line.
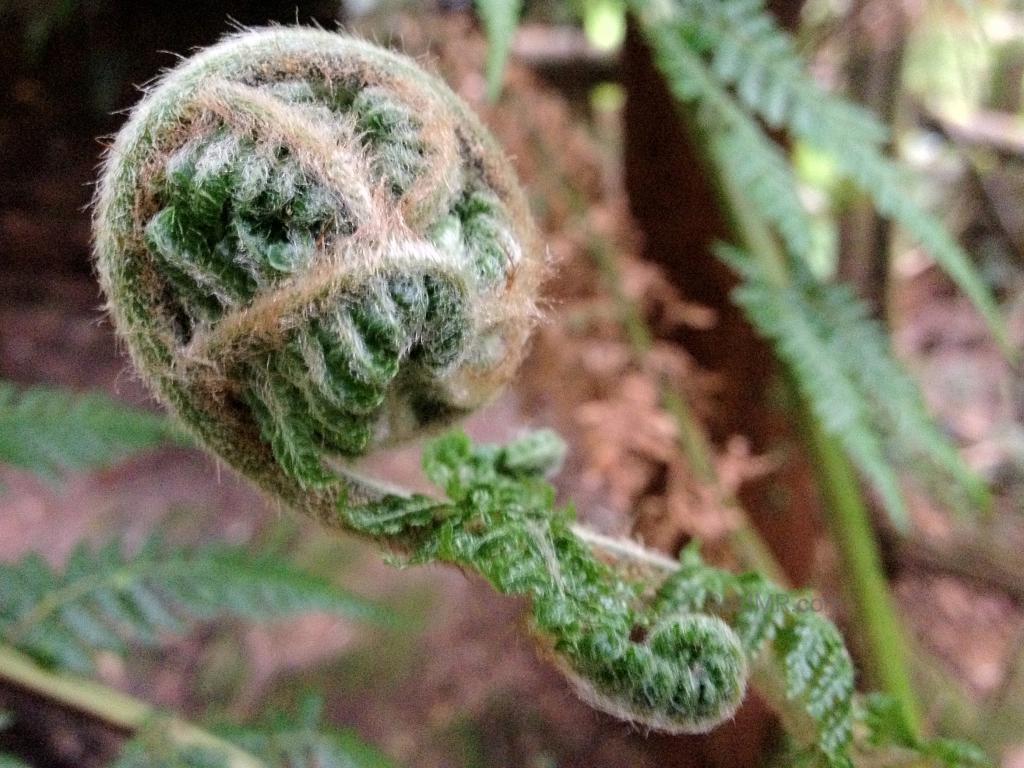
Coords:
500,19
760,168
842,364
913,442
780,314
104,599
756,163
750,54
47,430
880,433
299,740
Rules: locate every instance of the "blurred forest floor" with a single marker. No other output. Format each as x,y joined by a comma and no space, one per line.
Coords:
464,686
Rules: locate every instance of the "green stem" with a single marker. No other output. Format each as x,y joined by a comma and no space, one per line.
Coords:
117,710
886,652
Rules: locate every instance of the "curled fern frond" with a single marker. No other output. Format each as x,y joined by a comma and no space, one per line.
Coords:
312,248
687,674
803,646
676,660
104,599
48,431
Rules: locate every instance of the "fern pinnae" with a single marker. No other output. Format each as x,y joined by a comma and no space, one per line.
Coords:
739,31
915,442
759,167
882,180
47,430
104,599
742,149
751,55
782,315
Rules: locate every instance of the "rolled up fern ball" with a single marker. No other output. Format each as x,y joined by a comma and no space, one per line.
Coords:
312,248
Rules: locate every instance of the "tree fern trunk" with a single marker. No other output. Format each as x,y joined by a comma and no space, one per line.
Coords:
873,68
673,201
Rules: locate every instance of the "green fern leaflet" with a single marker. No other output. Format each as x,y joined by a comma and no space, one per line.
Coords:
104,600
47,430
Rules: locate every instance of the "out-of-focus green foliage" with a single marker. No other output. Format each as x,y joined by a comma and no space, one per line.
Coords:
47,430
105,600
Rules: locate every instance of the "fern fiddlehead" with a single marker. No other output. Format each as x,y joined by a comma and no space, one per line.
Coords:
313,249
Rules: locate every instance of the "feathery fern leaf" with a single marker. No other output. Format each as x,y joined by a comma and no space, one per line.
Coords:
781,314
104,599
886,726
748,53
843,364
914,441
758,167
47,430
875,427
500,19
755,162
